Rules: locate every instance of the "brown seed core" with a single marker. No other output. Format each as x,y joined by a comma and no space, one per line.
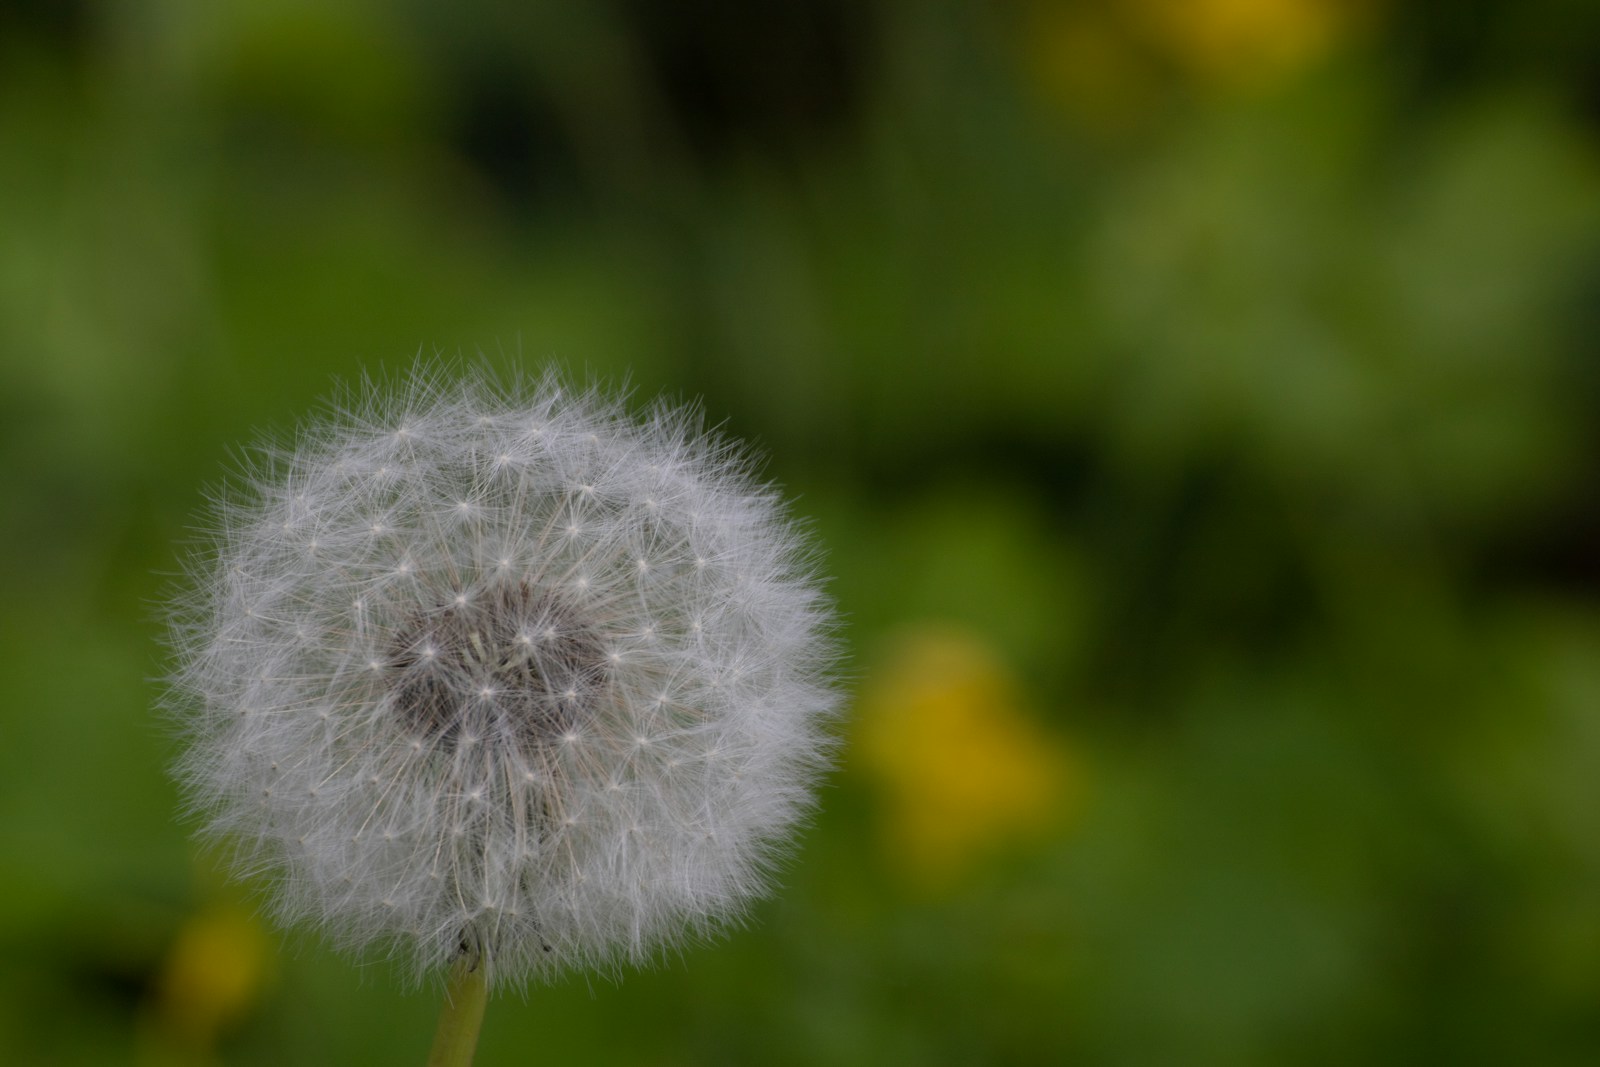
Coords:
512,664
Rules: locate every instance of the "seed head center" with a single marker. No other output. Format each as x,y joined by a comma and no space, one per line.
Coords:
514,665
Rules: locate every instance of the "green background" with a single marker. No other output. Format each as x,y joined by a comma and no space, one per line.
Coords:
1221,377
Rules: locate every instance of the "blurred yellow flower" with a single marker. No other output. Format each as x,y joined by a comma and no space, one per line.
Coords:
1247,42
1106,60
212,975
1081,58
961,765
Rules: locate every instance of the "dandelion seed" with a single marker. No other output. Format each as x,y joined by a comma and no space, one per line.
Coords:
473,732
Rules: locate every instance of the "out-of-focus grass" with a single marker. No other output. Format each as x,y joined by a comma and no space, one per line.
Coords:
1195,400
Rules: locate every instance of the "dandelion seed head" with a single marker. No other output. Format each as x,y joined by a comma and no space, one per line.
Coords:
471,711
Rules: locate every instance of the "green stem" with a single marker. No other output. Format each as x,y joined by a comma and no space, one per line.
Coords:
462,1015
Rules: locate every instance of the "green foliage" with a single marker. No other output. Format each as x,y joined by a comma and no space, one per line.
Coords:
1248,425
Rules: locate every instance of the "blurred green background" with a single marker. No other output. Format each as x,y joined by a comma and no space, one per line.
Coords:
1197,400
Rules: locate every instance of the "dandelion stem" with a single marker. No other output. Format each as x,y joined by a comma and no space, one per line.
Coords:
462,1016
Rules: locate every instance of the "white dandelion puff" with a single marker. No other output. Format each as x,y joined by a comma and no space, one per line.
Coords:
503,672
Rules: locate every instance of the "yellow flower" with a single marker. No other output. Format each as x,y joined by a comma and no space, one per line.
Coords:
1246,43
1081,58
212,975
963,769
1107,61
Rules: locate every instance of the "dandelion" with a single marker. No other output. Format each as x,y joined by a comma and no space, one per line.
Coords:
502,680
